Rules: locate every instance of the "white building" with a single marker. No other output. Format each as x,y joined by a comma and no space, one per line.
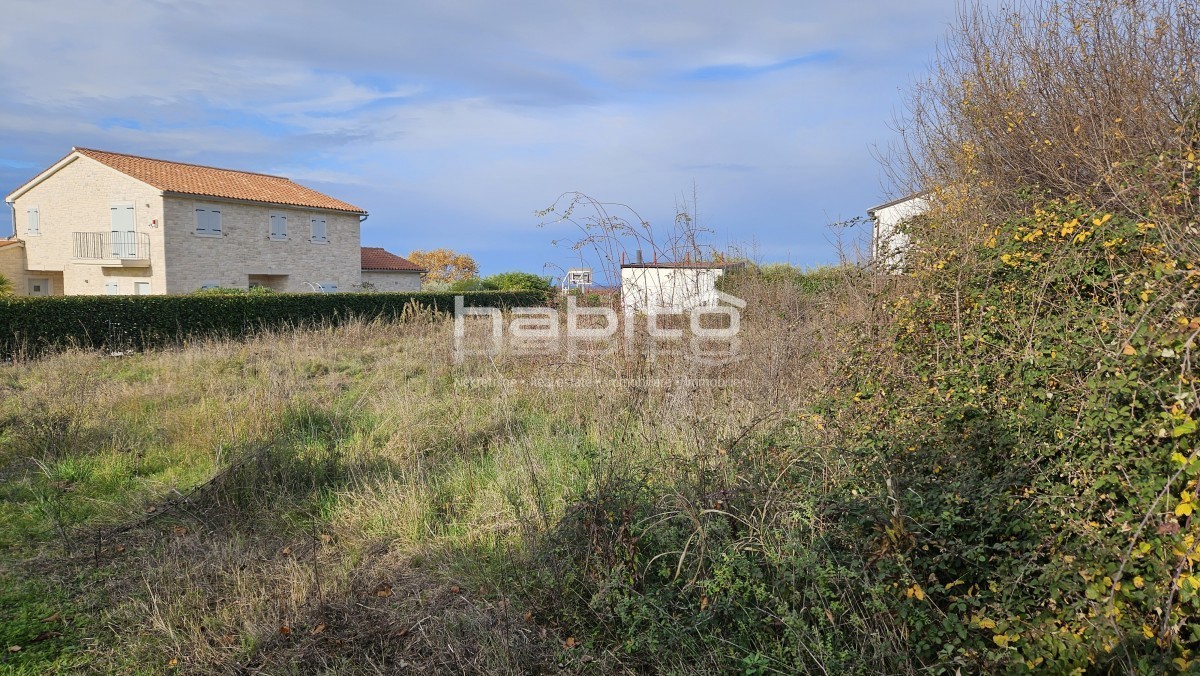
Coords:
887,241
670,286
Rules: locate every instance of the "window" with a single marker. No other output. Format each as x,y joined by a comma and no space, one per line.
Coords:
112,288
35,221
208,221
318,229
278,225
204,286
328,287
141,288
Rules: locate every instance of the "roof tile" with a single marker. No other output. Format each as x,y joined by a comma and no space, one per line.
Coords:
195,179
376,258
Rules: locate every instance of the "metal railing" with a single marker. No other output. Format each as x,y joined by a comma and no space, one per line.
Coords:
108,245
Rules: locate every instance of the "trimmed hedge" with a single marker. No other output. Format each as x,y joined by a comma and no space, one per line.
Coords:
32,326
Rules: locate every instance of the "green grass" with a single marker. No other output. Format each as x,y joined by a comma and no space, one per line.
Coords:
318,453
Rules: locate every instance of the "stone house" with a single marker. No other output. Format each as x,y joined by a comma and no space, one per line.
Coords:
100,222
385,271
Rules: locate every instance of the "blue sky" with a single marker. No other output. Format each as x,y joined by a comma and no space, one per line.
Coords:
453,122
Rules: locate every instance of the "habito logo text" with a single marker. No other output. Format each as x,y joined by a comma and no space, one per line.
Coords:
709,335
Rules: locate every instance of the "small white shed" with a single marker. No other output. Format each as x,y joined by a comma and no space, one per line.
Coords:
670,286
887,242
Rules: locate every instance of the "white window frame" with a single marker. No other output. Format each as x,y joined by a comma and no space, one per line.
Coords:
312,224
328,287
211,284
137,286
272,219
112,288
203,212
33,221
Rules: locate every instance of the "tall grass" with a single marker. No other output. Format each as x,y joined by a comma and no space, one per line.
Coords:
347,498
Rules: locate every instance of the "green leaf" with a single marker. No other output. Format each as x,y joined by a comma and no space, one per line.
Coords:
1186,427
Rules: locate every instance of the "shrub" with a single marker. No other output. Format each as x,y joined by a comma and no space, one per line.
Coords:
517,281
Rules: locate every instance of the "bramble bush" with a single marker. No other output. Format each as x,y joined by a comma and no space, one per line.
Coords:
1001,474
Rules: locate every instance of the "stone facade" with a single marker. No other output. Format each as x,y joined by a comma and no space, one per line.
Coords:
245,248
12,265
78,197
392,280
79,194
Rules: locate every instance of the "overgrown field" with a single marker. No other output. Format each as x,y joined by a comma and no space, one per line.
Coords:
349,499
988,463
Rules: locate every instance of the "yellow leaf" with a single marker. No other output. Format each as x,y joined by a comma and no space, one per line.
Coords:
986,624
1001,640
1147,631
1183,509
916,591
570,642
1128,350
1139,582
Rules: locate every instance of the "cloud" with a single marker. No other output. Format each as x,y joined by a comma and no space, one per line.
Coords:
452,122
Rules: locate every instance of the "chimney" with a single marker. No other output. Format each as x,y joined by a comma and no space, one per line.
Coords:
639,256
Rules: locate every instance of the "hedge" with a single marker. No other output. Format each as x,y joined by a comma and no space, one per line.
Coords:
32,326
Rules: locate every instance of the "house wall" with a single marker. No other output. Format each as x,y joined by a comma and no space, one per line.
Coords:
392,280
644,289
77,198
12,266
887,242
245,247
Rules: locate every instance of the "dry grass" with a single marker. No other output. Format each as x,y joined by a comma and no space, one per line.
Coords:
371,502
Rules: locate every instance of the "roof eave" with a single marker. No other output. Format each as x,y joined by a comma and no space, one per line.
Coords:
898,200
193,195
47,173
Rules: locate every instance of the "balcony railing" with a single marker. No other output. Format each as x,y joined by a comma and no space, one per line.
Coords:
126,246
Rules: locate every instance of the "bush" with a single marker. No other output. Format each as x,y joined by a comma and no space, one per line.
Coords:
34,325
517,281
807,281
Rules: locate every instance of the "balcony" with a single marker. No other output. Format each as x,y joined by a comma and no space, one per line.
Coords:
112,249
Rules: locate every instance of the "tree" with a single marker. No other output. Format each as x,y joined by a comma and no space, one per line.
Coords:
1059,97
6,287
445,265
516,281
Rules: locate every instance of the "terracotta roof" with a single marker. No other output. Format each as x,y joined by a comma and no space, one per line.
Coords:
377,259
195,179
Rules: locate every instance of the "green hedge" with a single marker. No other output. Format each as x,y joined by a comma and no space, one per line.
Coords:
32,326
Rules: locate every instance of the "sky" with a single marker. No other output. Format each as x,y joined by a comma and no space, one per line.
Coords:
452,123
